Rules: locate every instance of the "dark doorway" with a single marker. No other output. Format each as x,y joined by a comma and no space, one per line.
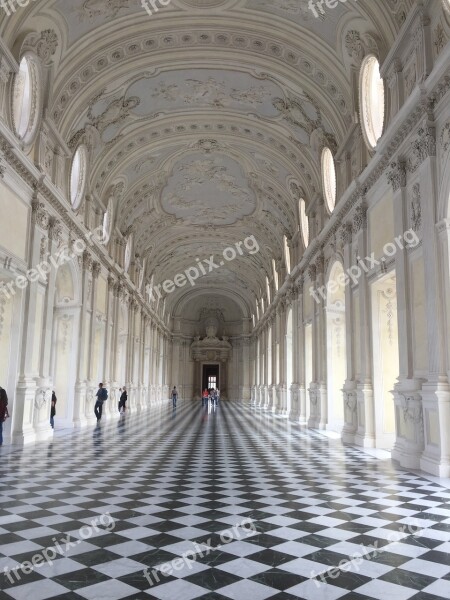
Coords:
210,376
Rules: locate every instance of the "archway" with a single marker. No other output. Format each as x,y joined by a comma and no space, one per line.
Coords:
289,361
385,358
336,347
65,343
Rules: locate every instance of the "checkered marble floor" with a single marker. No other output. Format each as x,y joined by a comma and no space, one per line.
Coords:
269,510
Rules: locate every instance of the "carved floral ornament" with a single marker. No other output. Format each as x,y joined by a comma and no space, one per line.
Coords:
360,218
396,176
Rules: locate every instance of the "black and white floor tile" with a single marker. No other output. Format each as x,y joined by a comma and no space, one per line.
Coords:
263,508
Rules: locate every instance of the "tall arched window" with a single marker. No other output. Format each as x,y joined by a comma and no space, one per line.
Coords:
263,309
78,176
128,252
304,222
27,98
329,178
371,100
268,290
287,255
108,221
275,274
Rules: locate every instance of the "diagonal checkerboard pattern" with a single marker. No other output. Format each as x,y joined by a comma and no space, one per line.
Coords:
262,507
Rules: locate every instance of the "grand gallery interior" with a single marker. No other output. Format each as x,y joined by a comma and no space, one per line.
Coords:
248,195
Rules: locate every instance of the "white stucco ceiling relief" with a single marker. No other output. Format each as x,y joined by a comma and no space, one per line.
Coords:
206,190
205,114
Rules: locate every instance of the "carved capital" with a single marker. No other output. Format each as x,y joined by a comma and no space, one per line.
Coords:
96,269
397,175
360,218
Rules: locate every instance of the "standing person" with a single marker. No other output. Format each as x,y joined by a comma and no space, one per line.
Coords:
205,397
174,396
102,395
53,409
214,397
218,395
123,399
3,411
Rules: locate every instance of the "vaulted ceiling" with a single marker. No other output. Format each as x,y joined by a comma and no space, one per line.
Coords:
207,112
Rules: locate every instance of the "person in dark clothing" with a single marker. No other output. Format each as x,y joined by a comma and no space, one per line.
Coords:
123,399
53,410
102,395
174,396
3,411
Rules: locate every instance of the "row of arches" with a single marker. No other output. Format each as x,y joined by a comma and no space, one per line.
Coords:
288,380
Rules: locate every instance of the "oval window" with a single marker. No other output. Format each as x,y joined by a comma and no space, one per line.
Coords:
329,178
26,99
78,176
304,223
372,100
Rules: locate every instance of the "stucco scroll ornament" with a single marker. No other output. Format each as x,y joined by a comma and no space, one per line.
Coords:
43,395
412,410
43,44
105,8
354,45
350,401
358,45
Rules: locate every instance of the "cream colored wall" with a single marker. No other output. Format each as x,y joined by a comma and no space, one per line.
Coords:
38,332
13,223
5,338
419,315
381,224
102,298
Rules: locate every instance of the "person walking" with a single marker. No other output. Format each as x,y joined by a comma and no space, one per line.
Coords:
53,409
205,397
102,395
123,399
3,411
214,397
174,396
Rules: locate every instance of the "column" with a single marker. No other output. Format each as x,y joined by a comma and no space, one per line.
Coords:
349,389
409,443
365,435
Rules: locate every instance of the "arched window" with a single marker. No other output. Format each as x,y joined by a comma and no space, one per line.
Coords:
371,100
262,305
257,310
108,221
275,274
287,255
304,222
329,178
78,176
268,290
27,98
128,252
